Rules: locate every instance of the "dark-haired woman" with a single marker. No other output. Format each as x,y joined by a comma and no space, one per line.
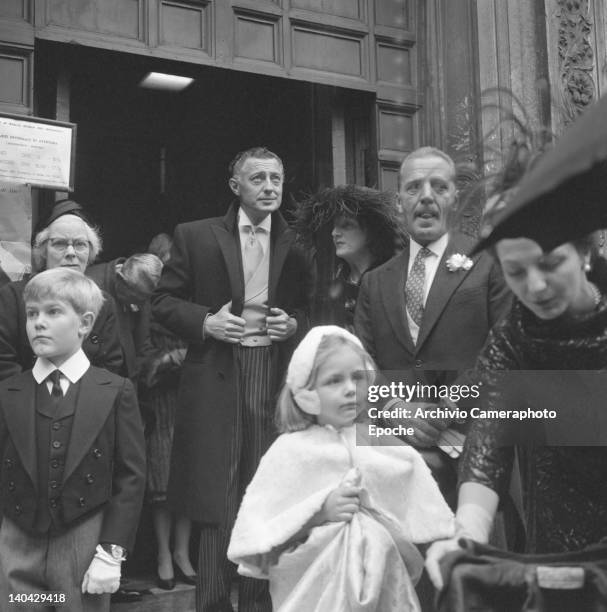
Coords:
559,322
353,229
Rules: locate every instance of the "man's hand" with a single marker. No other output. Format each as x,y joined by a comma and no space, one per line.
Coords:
103,574
280,325
426,431
224,326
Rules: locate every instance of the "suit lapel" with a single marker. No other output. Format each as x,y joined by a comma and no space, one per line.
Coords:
95,402
280,241
444,285
19,413
229,244
392,287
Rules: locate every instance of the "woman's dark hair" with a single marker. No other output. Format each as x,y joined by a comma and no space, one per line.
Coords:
374,211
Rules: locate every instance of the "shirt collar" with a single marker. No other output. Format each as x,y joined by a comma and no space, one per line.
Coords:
243,221
438,247
73,369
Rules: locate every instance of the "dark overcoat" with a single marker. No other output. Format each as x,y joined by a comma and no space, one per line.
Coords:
134,327
204,273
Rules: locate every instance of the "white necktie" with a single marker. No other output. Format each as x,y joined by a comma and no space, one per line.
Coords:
253,252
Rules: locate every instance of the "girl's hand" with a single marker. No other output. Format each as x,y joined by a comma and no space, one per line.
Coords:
341,504
435,553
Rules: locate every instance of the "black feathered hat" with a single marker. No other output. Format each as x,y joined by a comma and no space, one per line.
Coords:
564,195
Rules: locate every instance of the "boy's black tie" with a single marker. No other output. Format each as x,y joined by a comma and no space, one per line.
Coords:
55,377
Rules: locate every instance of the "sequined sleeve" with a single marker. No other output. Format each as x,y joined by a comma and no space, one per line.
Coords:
486,459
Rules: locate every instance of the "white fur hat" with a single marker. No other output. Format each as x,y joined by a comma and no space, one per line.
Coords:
302,363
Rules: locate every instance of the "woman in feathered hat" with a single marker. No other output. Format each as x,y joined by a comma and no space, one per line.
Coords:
558,324
353,229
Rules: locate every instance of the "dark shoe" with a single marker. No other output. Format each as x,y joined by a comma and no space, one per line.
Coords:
166,585
126,596
187,579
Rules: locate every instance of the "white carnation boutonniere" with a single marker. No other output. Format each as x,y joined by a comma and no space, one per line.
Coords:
457,262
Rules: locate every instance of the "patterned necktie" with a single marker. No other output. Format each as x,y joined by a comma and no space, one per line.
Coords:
253,252
55,377
414,288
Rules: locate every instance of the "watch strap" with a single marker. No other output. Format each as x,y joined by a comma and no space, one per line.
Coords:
115,551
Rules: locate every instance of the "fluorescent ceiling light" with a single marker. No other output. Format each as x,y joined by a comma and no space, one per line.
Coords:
168,82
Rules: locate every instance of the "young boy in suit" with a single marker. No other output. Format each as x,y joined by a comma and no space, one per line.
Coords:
72,470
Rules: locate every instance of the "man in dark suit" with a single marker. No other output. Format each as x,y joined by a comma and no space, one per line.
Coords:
426,313
236,289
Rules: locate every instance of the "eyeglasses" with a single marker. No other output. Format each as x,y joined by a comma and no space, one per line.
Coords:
61,245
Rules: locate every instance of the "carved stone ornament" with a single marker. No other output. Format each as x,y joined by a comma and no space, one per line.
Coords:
576,57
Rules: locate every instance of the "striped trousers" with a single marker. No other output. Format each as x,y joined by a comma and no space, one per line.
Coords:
42,563
254,431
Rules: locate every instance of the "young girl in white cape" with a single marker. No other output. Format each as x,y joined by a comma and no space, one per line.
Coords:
329,519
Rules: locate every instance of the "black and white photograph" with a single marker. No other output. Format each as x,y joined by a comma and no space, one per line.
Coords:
303,305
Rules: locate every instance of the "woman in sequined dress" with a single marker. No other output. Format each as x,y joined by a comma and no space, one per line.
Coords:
558,323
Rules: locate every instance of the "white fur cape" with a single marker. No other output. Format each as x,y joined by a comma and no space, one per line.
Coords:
367,564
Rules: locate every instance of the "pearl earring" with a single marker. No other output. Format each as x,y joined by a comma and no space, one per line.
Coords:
587,267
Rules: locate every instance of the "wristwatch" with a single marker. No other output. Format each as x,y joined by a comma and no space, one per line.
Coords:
117,552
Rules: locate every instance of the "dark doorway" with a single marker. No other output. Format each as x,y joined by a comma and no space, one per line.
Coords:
147,159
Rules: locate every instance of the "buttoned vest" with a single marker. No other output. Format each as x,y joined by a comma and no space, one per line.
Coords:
255,307
54,418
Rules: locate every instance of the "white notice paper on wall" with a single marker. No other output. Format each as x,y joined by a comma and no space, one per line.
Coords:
15,229
38,152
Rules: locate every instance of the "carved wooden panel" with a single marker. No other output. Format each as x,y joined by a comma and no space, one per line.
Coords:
14,9
185,24
257,38
16,28
600,10
576,57
328,51
342,8
396,129
15,78
397,122
119,17
394,13
394,64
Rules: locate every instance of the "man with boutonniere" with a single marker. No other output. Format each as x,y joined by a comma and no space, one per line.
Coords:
425,314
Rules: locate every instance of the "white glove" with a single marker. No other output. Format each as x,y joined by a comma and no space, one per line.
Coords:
472,522
433,556
103,574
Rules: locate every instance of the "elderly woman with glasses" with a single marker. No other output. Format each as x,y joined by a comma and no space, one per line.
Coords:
68,240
